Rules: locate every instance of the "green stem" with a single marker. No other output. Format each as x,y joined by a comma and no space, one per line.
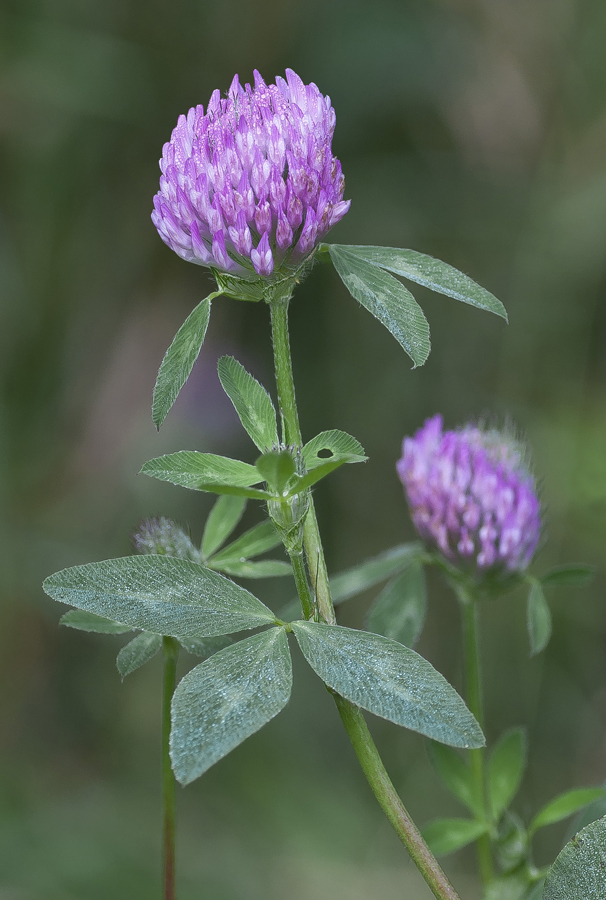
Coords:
473,681
351,716
171,652
303,589
392,806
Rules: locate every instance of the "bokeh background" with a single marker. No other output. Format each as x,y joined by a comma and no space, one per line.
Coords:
473,130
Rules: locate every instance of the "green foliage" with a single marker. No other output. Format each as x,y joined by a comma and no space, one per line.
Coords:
202,471
253,542
180,358
223,518
85,621
505,770
251,401
160,594
276,467
568,576
367,574
456,775
234,559
563,806
579,872
399,610
538,618
137,652
431,273
388,301
333,444
227,698
204,647
265,568
511,843
515,886
447,835
389,680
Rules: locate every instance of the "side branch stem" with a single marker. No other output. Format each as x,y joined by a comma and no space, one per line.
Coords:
170,648
351,716
473,678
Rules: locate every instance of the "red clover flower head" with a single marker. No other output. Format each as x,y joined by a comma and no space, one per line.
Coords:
472,495
250,186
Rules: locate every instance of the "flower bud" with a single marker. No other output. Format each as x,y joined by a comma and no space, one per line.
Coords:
162,537
471,494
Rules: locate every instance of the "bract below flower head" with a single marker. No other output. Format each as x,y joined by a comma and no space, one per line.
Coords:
250,186
472,495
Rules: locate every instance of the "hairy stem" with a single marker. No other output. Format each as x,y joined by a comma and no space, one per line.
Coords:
170,648
473,687
351,716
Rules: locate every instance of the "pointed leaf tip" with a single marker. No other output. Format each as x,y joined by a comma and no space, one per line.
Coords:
179,359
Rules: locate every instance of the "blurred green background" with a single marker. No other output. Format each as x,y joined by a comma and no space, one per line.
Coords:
473,130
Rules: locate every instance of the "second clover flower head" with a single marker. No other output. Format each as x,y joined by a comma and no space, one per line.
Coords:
250,186
471,494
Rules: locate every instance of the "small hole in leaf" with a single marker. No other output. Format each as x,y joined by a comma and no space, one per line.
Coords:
325,453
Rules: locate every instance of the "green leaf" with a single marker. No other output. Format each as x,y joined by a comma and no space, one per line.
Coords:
563,806
568,576
399,610
579,872
456,775
137,652
536,893
538,618
505,770
511,843
388,301
432,273
160,594
266,568
510,887
223,518
190,469
85,621
226,699
253,542
352,582
180,358
317,474
251,401
332,444
447,835
587,815
388,680
276,468
204,647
